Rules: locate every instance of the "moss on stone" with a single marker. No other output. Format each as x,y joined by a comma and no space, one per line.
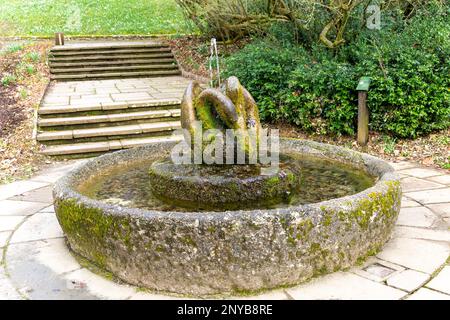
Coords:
327,219
87,227
304,228
204,113
273,181
315,247
189,241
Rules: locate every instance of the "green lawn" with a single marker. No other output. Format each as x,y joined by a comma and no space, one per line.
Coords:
90,17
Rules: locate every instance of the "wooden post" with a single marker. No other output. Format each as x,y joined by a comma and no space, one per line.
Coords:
363,111
59,39
363,119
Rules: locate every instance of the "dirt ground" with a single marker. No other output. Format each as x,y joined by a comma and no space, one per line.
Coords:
23,79
432,150
193,52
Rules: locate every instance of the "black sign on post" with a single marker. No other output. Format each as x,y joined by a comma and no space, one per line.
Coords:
363,112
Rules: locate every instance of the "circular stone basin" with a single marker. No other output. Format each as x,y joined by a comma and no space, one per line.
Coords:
220,186
109,216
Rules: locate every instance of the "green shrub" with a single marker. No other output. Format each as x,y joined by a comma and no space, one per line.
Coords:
409,64
24,68
264,69
15,47
23,93
32,56
321,97
8,79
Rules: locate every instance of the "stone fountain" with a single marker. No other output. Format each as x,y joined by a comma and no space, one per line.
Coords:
235,226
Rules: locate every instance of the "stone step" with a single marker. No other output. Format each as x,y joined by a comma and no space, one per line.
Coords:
108,118
102,75
110,58
63,109
115,68
134,129
104,146
107,52
112,63
102,46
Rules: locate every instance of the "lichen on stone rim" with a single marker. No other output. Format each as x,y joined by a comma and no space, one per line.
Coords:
230,252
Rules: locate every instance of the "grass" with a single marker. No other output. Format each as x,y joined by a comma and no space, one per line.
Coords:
87,17
15,47
389,144
7,79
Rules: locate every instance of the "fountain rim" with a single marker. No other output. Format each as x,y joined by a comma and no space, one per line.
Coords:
64,188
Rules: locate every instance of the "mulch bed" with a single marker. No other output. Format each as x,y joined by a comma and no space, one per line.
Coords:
19,157
432,150
11,115
193,52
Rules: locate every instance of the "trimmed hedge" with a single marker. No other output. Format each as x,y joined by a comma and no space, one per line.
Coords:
314,88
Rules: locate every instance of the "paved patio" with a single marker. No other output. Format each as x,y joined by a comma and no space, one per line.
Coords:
92,95
415,264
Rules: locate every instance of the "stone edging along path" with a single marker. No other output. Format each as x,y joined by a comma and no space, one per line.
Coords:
414,264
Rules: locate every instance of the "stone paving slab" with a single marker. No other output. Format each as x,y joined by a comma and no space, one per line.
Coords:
421,172
18,208
414,184
416,217
430,196
402,165
37,196
9,223
4,235
56,256
423,233
344,286
408,280
36,280
427,294
100,286
441,282
442,209
40,226
441,179
406,203
420,255
19,187
7,289
153,296
54,172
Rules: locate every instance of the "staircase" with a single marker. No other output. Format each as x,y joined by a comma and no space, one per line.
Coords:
84,61
92,130
108,96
